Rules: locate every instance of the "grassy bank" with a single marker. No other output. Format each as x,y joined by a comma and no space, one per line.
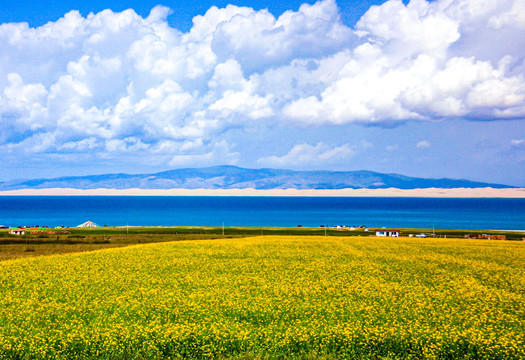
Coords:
36,243
272,297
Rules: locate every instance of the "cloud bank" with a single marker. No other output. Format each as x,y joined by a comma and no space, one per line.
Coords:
308,155
114,83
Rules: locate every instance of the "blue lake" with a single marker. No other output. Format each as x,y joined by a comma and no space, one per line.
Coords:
448,213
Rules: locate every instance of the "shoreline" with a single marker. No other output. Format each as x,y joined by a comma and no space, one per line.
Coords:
390,192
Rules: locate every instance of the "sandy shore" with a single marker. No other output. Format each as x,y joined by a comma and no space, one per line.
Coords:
431,192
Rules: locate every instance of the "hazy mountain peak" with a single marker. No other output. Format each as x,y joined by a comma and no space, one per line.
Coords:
233,177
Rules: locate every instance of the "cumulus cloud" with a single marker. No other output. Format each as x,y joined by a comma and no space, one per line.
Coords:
259,41
410,66
305,154
119,83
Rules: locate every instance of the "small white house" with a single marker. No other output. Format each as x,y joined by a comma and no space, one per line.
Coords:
17,232
387,232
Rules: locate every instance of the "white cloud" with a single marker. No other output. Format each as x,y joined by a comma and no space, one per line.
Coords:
82,145
409,68
241,102
417,27
517,143
514,17
117,82
130,144
423,144
305,154
259,41
392,147
216,154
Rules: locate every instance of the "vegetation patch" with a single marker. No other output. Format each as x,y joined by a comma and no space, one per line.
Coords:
269,297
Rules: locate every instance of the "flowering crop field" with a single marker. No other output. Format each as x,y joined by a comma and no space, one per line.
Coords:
269,297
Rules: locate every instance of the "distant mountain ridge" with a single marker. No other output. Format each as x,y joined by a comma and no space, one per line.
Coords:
232,177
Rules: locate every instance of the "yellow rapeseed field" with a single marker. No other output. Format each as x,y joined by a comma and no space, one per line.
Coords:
269,297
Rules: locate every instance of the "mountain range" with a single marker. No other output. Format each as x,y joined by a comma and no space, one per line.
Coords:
232,177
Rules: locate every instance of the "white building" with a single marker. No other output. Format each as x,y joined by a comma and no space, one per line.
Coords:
17,232
387,232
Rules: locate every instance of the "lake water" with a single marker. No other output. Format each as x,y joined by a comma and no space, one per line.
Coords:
504,214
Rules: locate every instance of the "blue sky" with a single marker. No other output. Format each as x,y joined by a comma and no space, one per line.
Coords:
430,89
41,12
